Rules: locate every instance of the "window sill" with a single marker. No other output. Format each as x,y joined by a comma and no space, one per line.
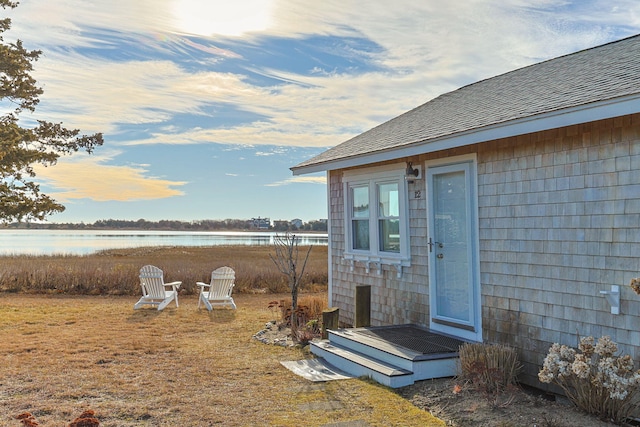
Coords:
377,261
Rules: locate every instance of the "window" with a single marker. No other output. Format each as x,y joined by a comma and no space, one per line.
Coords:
376,216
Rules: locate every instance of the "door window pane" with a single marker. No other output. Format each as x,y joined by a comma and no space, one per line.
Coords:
453,286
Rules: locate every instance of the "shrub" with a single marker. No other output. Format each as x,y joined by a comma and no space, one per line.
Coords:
491,368
86,419
310,307
594,378
305,322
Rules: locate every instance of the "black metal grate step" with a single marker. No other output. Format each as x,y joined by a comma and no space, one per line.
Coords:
415,339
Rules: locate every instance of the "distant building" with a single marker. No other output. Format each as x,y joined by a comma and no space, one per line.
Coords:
260,223
296,223
281,225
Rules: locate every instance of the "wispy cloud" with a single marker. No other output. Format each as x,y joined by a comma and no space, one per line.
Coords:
92,179
299,180
101,95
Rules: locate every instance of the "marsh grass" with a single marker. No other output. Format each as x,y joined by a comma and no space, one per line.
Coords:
62,355
115,272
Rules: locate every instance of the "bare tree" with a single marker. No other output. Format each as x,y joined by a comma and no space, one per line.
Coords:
286,259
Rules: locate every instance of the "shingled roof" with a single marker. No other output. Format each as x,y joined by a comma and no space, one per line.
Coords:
592,84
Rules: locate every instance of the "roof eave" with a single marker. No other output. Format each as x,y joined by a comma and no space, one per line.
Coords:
551,120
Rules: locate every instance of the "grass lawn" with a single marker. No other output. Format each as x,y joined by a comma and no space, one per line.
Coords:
64,354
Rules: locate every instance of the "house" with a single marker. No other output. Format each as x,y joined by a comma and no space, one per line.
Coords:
280,225
506,211
260,223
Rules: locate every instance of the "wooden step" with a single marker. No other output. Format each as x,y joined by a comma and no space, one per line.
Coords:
359,364
375,349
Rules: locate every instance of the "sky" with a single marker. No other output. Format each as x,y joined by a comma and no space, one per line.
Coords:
205,104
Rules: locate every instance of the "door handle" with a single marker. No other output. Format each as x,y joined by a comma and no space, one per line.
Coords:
431,243
440,256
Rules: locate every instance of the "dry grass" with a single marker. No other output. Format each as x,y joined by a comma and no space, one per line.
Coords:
491,368
64,354
115,272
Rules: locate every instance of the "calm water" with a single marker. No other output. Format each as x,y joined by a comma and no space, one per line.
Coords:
81,242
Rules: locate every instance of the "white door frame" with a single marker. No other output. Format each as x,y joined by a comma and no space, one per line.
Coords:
473,330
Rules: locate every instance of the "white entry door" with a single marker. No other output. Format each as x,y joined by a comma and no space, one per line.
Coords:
454,290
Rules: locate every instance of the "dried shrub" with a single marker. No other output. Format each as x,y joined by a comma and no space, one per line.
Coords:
304,336
86,419
282,311
305,322
595,378
491,368
27,419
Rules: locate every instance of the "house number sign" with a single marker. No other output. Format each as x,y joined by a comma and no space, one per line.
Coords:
417,194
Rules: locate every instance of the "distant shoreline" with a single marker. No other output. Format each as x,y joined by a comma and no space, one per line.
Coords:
86,241
226,230
253,225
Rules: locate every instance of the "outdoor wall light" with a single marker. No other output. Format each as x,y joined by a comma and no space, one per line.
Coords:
411,172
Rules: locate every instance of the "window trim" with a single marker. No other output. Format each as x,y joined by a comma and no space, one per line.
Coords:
372,177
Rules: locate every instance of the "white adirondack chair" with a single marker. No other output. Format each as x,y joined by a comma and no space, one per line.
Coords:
218,292
154,291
